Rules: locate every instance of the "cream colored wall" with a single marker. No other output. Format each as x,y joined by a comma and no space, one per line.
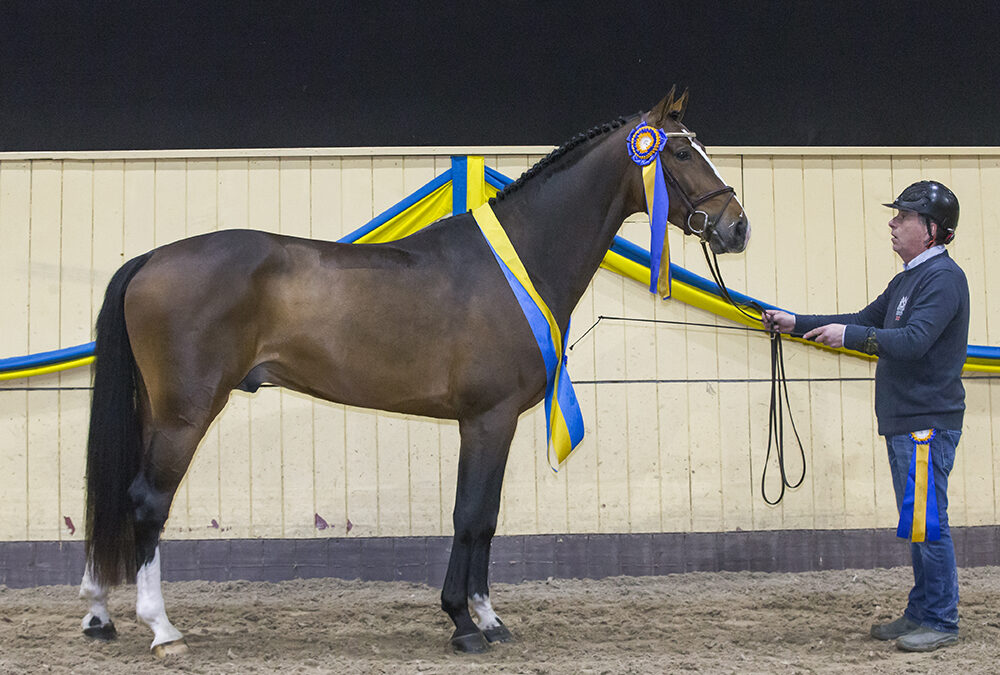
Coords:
678,447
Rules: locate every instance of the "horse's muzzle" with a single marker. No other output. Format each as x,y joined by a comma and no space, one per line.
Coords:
732,237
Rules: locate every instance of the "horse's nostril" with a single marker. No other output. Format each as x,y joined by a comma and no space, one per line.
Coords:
740,233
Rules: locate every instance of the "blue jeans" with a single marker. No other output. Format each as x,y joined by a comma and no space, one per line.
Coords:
934,599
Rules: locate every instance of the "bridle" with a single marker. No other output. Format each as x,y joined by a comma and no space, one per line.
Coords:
704,232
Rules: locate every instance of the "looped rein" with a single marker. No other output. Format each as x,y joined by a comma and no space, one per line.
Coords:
779,392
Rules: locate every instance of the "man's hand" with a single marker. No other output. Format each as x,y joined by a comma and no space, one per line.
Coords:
776,320
831,335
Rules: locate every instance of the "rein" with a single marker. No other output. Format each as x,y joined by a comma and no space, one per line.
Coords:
779,391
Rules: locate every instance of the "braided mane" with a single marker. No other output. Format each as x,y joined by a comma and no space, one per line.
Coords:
558,153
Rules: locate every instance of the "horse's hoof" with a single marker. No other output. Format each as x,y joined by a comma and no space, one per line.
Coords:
498,633
103,632
473,643
175,648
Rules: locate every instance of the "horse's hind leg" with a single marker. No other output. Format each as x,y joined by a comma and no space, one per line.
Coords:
171,447
166,460
485,444
149,607
97,624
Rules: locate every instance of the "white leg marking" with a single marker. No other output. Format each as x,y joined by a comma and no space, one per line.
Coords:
98,598
483,608
149,602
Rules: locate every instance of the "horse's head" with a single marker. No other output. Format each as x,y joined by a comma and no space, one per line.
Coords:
700,201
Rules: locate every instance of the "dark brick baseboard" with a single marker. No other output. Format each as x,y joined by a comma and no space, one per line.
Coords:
515,558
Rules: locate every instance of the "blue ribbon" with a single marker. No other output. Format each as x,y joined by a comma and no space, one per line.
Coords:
644,144
918,518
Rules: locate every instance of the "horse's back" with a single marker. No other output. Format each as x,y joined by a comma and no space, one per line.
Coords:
412,326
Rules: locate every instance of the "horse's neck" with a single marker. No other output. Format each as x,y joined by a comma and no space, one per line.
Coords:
562,224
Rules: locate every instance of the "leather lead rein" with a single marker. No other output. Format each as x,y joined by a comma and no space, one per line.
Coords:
779,391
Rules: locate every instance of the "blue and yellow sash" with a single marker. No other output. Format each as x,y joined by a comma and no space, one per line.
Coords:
563,419
918,518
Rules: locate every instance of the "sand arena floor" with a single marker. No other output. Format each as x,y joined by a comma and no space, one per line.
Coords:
737,622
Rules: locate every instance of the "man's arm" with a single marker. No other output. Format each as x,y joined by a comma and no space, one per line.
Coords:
828,329
934,307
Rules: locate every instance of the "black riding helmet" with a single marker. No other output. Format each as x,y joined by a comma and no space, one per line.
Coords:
935,202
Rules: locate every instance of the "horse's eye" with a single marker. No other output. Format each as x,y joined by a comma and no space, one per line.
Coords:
682,155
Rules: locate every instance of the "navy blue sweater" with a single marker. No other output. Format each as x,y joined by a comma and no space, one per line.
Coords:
919,328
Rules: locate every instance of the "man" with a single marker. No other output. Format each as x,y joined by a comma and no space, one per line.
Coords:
919,329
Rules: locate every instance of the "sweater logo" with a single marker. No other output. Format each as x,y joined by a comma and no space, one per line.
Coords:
901,307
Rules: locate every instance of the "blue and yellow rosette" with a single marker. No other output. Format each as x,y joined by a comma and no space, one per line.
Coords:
918,518
644,145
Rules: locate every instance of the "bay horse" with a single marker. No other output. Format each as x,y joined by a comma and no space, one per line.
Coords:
425,325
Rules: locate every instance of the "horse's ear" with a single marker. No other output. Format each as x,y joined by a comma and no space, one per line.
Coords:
668,107
679,107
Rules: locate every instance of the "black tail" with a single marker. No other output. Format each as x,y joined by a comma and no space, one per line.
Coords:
114,446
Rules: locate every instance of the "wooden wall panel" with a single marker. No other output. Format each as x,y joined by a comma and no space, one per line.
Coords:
792,291
825,466
43,324
610,417
990,214
582,505
733,354
15,252
759,202
856,393
75,257
672,406
675,415
976,447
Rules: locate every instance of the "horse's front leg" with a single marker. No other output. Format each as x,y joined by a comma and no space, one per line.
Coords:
490,624
485,443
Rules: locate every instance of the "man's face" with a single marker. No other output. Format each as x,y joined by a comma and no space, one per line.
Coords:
909,235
